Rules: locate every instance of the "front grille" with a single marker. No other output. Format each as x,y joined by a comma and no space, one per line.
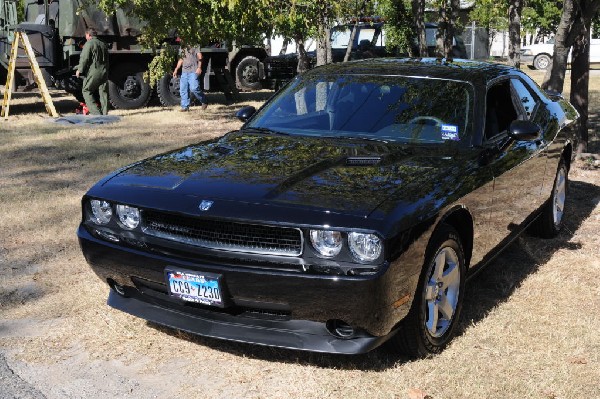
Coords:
223,235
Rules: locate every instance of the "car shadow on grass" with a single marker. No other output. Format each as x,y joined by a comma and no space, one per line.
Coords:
498,280
491,287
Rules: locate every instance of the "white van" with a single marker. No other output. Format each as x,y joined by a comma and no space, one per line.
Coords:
539,55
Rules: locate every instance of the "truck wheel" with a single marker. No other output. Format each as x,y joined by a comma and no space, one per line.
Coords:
167,89
542,61
127,88
247,74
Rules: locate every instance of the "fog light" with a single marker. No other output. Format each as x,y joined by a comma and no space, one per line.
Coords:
339,329
118,288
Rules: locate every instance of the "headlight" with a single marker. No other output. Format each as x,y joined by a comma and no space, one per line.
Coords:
364,247
526,52
101,210
328,243
128,216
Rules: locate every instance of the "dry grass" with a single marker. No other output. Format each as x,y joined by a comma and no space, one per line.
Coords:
528,329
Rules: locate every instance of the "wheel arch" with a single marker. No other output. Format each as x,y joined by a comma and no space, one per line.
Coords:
141,59
462,221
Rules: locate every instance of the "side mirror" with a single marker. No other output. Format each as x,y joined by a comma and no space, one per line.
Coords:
524,130
245,113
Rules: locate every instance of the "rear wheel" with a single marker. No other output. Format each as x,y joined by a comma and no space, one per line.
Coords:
550,221
435,311
542,61
127,88
168,90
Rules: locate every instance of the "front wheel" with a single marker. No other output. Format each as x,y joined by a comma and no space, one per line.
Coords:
432,320
542,62
127,88
550,221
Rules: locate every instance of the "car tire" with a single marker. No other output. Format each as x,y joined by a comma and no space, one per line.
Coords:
247,74
127,88
542,61
550,221
435,311
167,90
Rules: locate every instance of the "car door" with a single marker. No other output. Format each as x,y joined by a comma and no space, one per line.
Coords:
518,167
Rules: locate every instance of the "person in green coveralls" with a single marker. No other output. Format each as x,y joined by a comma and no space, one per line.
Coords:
93,63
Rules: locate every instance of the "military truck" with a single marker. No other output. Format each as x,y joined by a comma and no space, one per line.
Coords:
56,29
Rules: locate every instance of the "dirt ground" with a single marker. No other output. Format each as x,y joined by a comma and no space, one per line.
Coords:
528,329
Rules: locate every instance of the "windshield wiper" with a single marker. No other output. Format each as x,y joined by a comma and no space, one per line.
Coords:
266,130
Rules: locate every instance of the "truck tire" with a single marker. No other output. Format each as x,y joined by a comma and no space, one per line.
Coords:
542,61
127,88
167,89
247,74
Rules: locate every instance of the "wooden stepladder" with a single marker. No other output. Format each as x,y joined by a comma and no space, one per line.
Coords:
37,74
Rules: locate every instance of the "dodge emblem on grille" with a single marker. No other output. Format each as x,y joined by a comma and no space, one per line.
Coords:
205,205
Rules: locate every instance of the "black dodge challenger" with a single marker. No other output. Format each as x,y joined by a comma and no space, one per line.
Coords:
348,211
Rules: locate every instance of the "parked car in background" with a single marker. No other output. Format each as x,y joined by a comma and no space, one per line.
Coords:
348,211
539,56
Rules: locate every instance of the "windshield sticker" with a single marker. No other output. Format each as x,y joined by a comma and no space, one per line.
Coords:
450,132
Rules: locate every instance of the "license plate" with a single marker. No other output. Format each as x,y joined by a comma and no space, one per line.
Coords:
195,287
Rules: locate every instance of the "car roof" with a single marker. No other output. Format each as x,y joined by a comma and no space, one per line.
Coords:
476,72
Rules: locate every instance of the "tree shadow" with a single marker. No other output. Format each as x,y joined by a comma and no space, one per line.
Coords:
492,286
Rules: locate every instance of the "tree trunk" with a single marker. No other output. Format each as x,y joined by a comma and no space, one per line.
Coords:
323,37
321,45
350,43
302,56
452,28
514,32
418,12
576,17
284,47
269,45
329,52
580,79
555,74
441,37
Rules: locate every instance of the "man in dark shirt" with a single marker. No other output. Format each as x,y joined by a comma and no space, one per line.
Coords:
190,62
93,63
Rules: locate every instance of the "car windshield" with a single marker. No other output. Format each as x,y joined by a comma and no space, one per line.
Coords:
386,108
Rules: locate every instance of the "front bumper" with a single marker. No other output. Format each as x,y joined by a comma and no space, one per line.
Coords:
267,307
290,334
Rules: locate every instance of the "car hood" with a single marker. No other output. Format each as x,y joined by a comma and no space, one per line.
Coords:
333,175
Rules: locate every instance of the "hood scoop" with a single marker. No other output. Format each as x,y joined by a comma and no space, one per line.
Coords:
362,161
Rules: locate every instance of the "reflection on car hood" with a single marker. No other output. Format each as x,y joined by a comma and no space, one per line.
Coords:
342,176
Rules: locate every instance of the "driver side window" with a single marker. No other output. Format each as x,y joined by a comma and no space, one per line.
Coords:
500,111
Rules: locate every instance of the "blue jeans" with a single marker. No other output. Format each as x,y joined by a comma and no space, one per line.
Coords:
189,83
